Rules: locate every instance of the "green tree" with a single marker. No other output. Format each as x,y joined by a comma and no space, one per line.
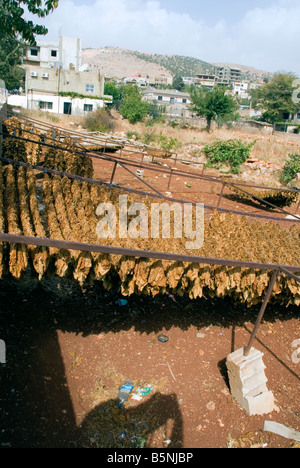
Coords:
275,97
111,89
16,33
11,51
178,83
133,107
15,25
212,105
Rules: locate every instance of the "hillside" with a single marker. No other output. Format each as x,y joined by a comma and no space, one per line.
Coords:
117,63
177,64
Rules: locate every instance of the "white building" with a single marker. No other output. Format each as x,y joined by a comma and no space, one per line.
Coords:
240,88
56,104
175,103
189,80
140,81
64,54
56,82
166,96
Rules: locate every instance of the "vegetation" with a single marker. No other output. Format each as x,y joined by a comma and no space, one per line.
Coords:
15,25
133,107
177,64
212,105
291,168
70,214
11,51
111,89
275,97
99,120
178,83
161,141
231,152
74,95
168,144
155,113
16,32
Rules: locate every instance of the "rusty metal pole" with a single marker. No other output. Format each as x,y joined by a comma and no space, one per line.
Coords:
221,195
112,177
142,160
297,207
113,173
262,311
171,173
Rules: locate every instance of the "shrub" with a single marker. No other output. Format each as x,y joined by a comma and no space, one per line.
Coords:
131,135
173,124
168,144
99,120
231,152
149,137
291,168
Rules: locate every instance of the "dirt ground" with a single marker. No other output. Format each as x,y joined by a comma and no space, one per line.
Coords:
182,187
68,354
67,358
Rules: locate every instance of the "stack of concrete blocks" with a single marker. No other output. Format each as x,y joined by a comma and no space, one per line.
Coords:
248,382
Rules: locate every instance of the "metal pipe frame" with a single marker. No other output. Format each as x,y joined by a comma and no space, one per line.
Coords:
142,193
180,173
66,245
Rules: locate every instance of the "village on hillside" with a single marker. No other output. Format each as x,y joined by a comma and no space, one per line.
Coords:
149,243
58,80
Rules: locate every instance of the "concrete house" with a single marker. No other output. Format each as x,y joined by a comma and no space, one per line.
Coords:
227,74
139,80
290,122
241,89
166,96
65,54
175,102
55,80
206,80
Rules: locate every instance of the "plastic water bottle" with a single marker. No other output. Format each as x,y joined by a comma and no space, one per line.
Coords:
124,392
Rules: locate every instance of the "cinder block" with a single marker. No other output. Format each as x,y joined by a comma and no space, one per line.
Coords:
248,381
260,404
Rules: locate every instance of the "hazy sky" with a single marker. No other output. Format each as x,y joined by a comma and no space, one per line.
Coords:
263,34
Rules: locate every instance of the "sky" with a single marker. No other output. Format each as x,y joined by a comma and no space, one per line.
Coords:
263,34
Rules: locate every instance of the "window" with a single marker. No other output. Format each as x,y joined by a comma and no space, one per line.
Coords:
87,107
184,101
89,88
53,53
34,52
160,98
45,105
286,115
298,116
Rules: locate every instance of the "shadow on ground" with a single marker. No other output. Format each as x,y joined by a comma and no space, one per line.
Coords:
36,410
